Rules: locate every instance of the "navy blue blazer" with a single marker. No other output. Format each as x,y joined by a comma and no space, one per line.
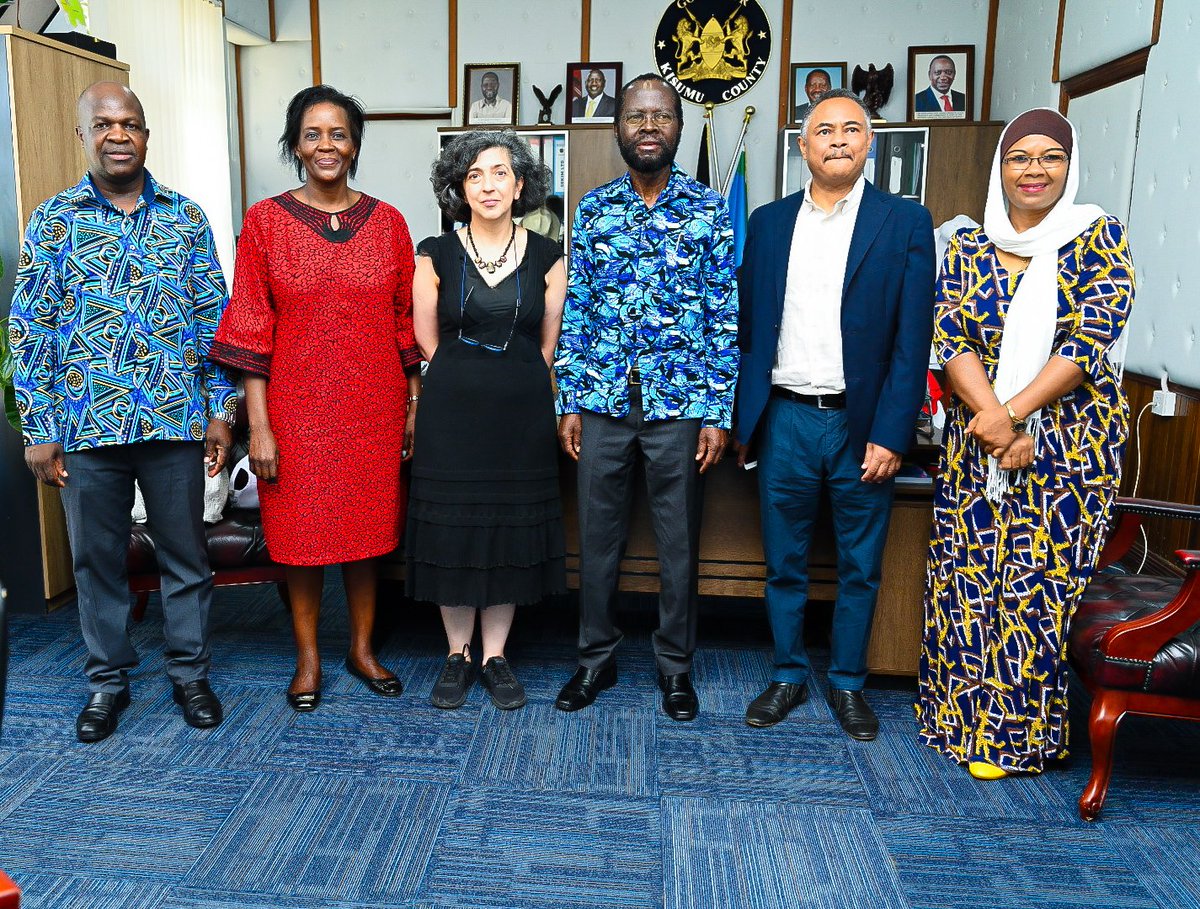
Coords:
927,101
887,316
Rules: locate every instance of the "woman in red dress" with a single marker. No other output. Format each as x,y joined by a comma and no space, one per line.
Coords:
320,323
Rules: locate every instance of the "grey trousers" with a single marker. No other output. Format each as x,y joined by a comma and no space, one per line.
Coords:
98,499
609,449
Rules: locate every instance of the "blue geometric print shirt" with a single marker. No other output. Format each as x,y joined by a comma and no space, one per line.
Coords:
655,287
112,318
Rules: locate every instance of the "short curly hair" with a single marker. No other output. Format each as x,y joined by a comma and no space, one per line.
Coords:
299,106
451,167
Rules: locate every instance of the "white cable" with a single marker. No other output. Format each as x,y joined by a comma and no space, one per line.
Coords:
1137,478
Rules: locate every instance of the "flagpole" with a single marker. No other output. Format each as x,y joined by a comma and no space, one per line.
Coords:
736,149
712,142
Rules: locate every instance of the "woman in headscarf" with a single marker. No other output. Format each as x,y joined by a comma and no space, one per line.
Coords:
1031,312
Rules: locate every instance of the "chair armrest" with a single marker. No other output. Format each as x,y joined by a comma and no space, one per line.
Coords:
1142,638
1129,513
1156,508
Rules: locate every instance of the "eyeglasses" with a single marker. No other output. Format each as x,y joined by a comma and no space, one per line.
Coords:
1050,160
464,295
638,117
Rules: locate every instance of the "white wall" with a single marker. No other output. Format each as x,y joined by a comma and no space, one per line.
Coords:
393,56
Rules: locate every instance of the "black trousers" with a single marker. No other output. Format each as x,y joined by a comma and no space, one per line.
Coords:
609,450
98,499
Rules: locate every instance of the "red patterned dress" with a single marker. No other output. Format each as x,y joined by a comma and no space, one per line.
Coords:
326,315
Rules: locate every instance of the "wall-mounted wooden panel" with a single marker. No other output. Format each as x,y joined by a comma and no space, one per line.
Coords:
1170,456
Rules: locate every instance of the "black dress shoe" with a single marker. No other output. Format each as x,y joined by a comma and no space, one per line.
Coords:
200,706
585,684
304,701
679,697
387,686
98,719
854,713
774,704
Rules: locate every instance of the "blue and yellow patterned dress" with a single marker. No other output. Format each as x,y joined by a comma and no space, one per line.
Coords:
1004,579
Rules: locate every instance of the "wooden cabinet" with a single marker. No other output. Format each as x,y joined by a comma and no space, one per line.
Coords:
40,81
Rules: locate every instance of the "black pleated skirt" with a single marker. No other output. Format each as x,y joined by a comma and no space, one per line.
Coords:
484,513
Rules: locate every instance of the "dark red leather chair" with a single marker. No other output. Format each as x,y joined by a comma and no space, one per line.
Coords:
1135,643
237,549
237,554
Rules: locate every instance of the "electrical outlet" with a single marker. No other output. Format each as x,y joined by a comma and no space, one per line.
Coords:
1163,404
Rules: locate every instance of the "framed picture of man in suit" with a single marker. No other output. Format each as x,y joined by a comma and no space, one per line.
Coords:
941,82
809,82
490,94
592,92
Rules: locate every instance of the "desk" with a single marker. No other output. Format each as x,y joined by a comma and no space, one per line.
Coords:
731,555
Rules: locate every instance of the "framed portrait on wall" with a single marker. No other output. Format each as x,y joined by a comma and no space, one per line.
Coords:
941,80
592,92
490,94
809,82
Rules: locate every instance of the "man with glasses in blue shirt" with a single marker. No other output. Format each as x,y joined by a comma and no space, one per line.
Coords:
647,364
117,298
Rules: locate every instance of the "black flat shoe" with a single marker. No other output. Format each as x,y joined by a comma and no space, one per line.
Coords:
387,686
98,719
679,697
201,708
304,701
774,704
854,713
585,684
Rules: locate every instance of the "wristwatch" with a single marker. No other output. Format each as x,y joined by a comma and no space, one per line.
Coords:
1018,425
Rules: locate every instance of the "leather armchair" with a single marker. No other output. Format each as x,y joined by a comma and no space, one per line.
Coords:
1135,643
237,549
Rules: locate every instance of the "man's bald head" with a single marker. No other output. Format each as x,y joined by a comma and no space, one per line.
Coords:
111,126
103,93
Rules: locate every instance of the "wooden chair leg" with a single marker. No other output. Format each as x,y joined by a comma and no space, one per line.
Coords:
1108,707
139,608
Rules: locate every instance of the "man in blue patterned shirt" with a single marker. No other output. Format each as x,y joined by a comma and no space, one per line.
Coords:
647,364
117,298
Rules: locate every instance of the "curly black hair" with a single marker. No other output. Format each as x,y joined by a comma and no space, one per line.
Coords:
451,167
299,105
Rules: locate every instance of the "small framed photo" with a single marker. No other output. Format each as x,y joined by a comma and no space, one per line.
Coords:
593,91
941,80
809,82
490,94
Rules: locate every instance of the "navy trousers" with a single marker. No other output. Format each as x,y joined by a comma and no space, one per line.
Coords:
98,499
610,447
804,450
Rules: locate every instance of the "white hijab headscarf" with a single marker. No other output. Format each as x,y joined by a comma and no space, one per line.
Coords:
1033,313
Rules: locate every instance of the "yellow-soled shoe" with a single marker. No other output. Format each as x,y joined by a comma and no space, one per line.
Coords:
982,770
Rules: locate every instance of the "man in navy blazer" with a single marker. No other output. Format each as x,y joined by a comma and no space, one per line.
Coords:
836,288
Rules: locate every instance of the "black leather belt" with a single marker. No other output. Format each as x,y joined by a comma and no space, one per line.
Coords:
822,402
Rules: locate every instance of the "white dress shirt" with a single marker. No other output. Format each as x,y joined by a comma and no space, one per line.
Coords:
808,359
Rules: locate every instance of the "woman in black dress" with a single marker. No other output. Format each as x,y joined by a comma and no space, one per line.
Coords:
484,516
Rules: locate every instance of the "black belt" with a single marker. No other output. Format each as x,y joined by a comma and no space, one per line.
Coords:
822,402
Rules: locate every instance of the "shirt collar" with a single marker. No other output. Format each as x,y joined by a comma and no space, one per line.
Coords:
845,205
678,184
85,191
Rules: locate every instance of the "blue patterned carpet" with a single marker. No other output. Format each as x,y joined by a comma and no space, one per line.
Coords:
371,803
